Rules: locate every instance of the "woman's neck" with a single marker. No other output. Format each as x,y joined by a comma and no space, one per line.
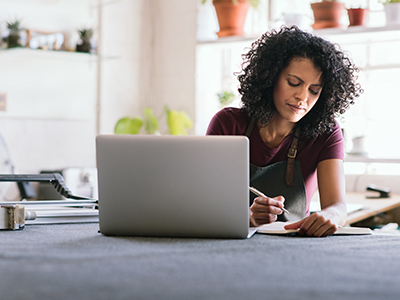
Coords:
275,132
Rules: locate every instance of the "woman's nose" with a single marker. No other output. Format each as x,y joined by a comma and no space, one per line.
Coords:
302,95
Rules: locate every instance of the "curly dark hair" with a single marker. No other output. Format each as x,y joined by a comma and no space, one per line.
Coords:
270,54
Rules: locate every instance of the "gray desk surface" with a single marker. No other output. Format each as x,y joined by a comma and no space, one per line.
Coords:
74,261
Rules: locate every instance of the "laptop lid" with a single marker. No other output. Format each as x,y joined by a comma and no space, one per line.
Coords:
175,186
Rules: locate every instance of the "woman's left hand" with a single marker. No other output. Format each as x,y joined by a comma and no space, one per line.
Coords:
319,224
331,186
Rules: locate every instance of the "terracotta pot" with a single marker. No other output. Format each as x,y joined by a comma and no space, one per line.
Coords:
327,14
231,17
357,16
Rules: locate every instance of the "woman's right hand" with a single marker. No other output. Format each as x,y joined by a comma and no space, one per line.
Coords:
265,210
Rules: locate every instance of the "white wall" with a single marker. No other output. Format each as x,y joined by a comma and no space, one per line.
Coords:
156,42
147,51
51,96
125,39
174,49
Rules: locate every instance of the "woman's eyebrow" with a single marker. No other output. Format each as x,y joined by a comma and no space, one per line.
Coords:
302,81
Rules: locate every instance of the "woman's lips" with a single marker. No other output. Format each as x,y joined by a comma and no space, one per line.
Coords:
297,109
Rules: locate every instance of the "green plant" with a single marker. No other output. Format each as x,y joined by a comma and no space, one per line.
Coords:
85,34
226,98
254,3
85,44
129,125
389,1
14,26
177,121
13,39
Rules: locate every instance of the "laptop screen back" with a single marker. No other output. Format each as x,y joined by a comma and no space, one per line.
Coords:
191,186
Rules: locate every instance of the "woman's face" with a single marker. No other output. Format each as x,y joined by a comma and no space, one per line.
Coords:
297,89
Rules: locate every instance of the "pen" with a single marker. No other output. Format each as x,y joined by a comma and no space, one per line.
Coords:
258,193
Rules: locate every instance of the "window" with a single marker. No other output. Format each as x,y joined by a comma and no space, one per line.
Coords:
370,126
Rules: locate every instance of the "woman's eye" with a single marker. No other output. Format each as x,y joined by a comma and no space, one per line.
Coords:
314,92
293,84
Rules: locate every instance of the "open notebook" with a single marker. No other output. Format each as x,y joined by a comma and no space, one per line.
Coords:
278,228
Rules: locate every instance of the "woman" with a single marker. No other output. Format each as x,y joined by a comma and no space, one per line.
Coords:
293,84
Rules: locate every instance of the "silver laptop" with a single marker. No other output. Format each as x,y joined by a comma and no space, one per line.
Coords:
173,186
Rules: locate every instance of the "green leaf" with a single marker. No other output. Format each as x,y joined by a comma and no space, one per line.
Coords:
85,33
226,98
255,3
150,121
178,122
128,126
15,25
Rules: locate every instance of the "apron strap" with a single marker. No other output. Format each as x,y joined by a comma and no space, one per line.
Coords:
291,153
291,156
250,128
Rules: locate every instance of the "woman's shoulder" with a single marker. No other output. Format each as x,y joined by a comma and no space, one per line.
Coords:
229,120
325,146
335,133
232,112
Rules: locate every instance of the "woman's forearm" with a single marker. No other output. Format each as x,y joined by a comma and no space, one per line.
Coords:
337,213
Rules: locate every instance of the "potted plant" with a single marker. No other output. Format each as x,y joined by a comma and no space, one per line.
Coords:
177,122
14,36
357,16
85,43
225,98
327,14
392,11
231,15
127,125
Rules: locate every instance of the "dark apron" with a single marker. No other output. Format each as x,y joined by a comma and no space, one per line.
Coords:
283,178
